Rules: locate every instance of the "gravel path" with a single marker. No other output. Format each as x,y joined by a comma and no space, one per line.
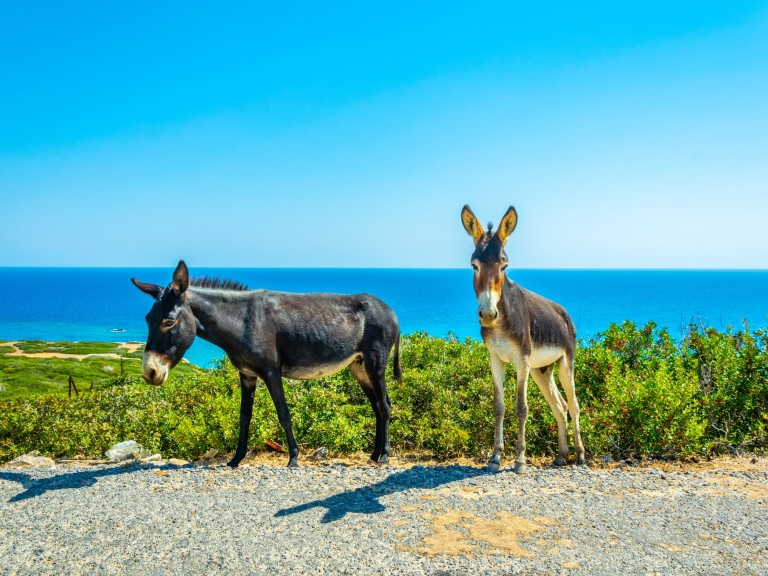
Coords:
334,519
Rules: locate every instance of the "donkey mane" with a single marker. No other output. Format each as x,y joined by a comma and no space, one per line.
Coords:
218,284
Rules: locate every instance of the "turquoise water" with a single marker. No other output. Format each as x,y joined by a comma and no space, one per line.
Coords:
102,304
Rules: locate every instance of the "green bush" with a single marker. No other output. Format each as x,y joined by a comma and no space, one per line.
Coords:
641,393
732,369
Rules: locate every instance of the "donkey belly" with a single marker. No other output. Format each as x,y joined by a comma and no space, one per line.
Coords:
509,351
545,355
318,370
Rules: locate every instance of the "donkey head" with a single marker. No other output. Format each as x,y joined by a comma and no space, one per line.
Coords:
172,325
489,261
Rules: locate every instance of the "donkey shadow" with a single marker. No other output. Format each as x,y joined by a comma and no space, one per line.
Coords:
365,500
38,486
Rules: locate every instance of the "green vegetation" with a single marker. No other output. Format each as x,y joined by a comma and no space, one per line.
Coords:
79,348
641,393
24,376
38,346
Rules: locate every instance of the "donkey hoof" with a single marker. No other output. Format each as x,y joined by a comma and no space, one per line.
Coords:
233,463
559,461
519,467
381,461
493,467
293,462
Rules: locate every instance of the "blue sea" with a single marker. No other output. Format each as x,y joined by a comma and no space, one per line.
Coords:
101,304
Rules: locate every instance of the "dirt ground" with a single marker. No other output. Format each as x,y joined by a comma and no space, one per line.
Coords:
743,463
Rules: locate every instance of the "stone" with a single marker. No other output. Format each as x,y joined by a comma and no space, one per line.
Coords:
124,451
33,459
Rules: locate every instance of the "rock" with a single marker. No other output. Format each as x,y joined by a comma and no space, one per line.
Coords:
177,462
33,459
107,369
126,450
152,458
212,453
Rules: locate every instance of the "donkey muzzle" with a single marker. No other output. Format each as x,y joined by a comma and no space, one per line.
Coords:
488,317
155,368
487,309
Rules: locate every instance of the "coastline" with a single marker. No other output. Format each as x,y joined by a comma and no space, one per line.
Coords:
130,348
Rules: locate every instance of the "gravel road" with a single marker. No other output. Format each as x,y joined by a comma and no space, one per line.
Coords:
337,519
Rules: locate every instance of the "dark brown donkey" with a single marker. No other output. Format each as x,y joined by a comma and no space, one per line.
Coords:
524,329
271,335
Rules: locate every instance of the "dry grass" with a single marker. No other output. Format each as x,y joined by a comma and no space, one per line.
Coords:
457,532
745,463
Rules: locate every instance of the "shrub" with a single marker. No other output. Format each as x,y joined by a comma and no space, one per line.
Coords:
641,392
732,369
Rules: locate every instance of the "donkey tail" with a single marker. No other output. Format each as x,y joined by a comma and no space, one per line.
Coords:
396,369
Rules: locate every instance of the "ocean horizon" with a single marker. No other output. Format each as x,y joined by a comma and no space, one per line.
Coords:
101,304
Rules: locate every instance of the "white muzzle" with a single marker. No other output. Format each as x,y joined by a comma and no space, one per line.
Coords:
155,368
487,307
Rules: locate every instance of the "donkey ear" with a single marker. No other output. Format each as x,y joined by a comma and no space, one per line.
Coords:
507,224
471,224
180,281
152,289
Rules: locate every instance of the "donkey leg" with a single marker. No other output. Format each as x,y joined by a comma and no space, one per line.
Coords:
358,371
378,443
497,372
247,390
565,372
521,411
375,367
274,382
546,383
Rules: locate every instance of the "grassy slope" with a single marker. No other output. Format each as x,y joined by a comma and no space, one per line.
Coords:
37,346
22,376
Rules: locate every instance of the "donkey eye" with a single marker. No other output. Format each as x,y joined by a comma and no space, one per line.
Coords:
168,323
475,267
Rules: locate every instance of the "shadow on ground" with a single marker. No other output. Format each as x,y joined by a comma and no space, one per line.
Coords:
68,481
365,500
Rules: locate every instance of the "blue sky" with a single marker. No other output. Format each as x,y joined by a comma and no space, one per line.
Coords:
627,135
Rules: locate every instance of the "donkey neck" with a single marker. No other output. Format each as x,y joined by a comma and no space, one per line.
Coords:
513,316
221,315
510,303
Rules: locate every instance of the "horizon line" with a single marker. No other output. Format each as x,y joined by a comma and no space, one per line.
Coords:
555,268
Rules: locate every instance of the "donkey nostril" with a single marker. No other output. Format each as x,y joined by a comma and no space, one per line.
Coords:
151,373
488,315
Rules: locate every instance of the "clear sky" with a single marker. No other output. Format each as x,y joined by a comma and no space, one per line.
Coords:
626,134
